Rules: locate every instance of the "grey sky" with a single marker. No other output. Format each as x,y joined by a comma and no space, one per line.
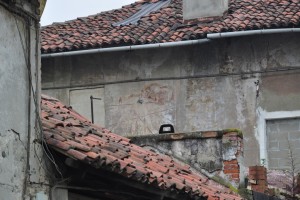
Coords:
63,10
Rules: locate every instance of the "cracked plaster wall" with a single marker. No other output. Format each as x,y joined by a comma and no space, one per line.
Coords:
201,154
212,153
213,101
14,109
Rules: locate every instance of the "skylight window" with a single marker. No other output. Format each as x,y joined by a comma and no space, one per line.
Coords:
145,10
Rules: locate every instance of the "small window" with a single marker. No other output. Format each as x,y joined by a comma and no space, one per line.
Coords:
81,102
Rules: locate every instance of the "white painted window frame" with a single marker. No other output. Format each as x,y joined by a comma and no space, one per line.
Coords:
263,117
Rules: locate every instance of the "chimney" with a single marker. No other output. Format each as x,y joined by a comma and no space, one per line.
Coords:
195,9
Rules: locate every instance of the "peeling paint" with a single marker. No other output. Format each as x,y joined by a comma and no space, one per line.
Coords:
18,119
157,93
208,154
209,100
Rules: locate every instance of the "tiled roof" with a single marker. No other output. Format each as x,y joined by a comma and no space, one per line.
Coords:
74,136
165,25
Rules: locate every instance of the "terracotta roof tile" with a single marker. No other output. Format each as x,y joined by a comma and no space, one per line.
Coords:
71,134
76,154
58,144
164,25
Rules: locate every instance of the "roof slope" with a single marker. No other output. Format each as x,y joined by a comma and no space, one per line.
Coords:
165,25
73,135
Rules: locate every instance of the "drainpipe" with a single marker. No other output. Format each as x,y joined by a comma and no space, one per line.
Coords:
251,32
127,48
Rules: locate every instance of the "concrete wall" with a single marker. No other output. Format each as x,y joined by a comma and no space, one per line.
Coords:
18,162
81,98
194,9
218,154
283,139
196,88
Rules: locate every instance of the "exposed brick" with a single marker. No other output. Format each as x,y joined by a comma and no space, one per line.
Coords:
259,176
230,171
228,162
229,134
235,166
257,168
255,177
236,176
211,134
258,173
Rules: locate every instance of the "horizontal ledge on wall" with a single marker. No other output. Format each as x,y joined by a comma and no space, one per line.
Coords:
101,84
184,136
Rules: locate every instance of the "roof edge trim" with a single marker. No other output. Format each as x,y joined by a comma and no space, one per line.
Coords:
208,38
127,48
251,32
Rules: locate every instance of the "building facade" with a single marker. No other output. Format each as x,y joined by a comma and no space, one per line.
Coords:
238,71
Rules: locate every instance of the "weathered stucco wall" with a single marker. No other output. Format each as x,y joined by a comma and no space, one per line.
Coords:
218,154
189,87
203,8
18,162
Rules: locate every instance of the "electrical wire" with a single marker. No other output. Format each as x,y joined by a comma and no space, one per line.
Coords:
40,129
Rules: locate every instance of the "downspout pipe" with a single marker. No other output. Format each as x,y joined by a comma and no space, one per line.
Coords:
208,38
212,36
127,48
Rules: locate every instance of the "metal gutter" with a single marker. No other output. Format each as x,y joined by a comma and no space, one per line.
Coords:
251,32
208,38
127,48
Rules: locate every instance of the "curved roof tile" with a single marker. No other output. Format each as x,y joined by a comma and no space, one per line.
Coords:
73,135
165,25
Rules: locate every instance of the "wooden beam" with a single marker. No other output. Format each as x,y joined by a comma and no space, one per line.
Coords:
111,188
129,193
152,189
